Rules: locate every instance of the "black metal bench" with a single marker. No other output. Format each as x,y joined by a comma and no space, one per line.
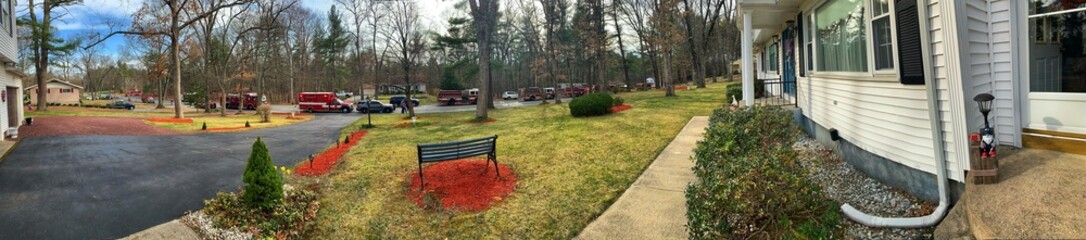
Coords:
437,152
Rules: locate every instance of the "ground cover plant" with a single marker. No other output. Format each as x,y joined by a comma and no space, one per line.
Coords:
750,183
569,170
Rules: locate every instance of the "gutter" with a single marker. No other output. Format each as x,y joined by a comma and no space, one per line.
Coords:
935,116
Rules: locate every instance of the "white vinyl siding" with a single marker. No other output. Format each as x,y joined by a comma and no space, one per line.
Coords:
988,30
944,73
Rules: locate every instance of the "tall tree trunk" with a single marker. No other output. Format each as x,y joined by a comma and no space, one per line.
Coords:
670,90
175,50
621,45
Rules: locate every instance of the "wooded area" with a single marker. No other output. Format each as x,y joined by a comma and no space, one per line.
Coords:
199,49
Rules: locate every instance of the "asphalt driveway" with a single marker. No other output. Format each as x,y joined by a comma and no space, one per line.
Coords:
99,187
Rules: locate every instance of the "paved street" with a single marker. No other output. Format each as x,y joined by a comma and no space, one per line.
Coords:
98,187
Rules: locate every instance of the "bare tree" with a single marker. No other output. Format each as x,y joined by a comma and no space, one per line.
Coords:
484,12
406,38
707,13
180,16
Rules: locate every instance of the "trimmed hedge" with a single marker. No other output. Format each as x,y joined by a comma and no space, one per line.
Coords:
749,183
593,104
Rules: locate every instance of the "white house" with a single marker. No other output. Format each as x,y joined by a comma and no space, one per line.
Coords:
11,114
896,78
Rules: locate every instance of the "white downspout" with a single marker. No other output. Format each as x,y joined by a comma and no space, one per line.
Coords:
937,141
748,59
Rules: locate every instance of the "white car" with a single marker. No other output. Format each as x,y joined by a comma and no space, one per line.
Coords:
507,95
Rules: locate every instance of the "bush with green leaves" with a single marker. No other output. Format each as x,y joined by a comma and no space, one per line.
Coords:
749,183
619,101
263,184
734,90
593,104
289,219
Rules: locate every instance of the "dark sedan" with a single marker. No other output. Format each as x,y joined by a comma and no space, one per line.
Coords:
121,105
375,106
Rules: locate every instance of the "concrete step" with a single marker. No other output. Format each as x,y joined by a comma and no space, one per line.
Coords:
955,225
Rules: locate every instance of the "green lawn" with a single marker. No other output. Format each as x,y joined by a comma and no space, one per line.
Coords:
570,169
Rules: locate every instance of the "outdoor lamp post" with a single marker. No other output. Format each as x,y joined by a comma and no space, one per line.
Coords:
987,139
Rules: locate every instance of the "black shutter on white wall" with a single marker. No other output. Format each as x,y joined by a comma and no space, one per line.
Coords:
909,55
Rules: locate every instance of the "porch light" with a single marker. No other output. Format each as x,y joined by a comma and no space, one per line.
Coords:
984,102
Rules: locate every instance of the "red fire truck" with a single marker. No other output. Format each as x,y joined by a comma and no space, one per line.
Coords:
322,102
576,91
454,97
250,101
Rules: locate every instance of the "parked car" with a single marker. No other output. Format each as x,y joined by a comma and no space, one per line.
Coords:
531,94
375,106
509,95
121,105
395,100
322,102
344,94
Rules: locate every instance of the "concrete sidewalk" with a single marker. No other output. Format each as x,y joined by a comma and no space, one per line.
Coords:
654,207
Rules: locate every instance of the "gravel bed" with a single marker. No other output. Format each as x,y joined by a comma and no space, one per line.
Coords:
846,184
200,223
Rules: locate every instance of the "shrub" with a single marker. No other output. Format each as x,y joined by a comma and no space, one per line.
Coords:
734,90
264,110
263,185
749,183
290,219
619,101
593,104
204,127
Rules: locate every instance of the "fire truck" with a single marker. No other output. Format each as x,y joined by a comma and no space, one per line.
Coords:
454,97
250,101
322,102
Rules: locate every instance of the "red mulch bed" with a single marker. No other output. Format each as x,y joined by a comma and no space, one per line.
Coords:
324,162
620,108
682,87
403,125
170,120
488,120
69,126
466,184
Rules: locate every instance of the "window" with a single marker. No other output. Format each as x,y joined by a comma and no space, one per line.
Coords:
5,16
842,44
1057,47
771,58
65,90
880,29
808,45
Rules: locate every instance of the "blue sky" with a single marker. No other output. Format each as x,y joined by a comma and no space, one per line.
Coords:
95,16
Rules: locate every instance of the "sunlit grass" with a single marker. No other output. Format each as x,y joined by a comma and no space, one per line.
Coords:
570,169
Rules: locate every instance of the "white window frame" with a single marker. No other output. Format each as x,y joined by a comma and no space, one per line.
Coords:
809,44
773,58
869,14
889,74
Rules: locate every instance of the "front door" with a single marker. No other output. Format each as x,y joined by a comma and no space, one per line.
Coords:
1057,66
788,60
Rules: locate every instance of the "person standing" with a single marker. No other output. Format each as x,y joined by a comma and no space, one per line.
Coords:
403,106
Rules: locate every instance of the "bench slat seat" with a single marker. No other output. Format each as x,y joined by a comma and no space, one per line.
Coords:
437,152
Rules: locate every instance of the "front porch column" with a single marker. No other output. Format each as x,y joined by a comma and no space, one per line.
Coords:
748,60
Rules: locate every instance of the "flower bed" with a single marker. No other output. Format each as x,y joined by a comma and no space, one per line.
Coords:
170,120
465,185
324,162
620,108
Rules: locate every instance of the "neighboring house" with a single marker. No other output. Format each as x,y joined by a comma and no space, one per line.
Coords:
865,68
11,115
57,91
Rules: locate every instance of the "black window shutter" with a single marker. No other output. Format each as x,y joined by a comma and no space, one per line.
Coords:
909,56
802,66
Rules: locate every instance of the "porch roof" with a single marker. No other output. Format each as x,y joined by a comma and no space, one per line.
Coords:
768,16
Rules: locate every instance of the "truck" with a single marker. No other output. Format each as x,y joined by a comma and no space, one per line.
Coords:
454,97
322,102
531,94
549,92
576,91
247,101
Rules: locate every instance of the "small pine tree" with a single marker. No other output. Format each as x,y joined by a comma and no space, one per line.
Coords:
347,140
246,123
204,127
263,185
